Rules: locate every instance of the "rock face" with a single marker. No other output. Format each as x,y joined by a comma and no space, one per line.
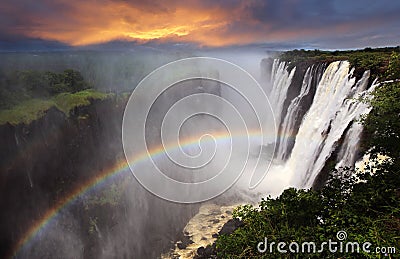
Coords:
47,160
265,66
42,161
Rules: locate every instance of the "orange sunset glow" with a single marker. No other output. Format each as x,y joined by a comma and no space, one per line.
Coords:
202,23
199,129
101,23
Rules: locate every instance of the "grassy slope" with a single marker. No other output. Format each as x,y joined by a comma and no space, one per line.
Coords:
32,109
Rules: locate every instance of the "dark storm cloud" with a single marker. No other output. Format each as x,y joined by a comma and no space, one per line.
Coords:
291,13
317,13
208,23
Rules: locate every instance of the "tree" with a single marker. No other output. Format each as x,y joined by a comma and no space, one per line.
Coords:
34,82
393,71
382,125
74,80
364,204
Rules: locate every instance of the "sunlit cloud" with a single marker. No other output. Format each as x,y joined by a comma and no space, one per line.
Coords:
91,23
206,23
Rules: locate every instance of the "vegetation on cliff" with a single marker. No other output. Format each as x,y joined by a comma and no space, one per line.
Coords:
375,60
27,95
20,86
365,204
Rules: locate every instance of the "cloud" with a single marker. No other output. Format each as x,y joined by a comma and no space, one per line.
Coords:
207,22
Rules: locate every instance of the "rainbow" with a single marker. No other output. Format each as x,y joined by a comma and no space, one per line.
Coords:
51,213
117,169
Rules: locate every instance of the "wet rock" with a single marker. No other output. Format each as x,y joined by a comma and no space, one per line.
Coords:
200,251
211,250
184,242
230,226
214,221
208,252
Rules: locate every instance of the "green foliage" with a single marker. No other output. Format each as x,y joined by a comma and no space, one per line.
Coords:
102,205
67,101
32,109
25,112
9,98
375,60
27,95
22,85
393,71
366,207
40,83
92,225
364,204
382,125
73,80
110,196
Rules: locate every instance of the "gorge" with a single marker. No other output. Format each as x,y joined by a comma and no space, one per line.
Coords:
67,190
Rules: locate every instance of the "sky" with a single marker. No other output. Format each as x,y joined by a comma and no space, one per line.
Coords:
322,24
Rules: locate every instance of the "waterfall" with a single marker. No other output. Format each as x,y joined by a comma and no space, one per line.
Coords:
280,80
287,127
324,114
332,111
347,155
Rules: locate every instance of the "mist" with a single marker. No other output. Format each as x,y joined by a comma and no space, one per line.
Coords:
119,217
186,134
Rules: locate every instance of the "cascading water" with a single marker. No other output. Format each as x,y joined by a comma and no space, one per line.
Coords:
280,79
348,153
329,126
331,112
287,130
316,115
